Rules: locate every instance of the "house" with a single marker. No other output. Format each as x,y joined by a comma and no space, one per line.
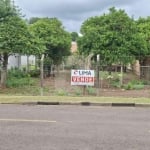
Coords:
20,61
74,46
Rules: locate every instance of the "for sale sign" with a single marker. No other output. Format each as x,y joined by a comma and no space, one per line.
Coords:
82,77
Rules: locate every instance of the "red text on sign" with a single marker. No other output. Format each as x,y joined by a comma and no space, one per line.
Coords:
82,79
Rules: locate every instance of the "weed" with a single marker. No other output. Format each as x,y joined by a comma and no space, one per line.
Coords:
138,86
78,91
61,92
134,84
16,73
19,82
91,90
128,86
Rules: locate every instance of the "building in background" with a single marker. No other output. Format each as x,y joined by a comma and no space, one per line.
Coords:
74,46
20,61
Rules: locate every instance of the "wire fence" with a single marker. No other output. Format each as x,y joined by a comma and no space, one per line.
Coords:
108,80
145,72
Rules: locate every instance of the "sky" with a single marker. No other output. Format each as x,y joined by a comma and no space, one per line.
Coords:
72,13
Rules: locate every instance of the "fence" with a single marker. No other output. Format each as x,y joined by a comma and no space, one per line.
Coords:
145,72
57,80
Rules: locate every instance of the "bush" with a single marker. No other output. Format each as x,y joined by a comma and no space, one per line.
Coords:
61,92
91,90
77,91
17,73
138,86
128,86
18,78
116,83
34,73
146,82
19,82
134,84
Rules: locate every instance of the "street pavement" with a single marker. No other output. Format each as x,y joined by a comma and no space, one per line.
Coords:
35,127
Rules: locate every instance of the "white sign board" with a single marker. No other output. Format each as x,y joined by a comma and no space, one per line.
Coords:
82,77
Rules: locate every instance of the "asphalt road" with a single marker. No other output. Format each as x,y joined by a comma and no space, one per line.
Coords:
25,127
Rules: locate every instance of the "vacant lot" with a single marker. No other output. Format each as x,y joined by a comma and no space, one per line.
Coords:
60,86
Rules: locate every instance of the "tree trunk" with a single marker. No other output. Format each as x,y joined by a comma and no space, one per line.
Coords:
4,70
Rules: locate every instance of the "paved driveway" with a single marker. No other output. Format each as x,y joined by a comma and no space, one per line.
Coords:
74,128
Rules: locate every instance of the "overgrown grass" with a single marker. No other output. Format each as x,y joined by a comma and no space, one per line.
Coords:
134,84
19,82
61,92
22,85
18,78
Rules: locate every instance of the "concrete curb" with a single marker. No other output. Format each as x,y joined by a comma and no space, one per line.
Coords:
75,103
123,104
83,104
142,105
88,104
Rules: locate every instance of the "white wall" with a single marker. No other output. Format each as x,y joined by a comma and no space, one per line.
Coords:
24,60
13,61
20,61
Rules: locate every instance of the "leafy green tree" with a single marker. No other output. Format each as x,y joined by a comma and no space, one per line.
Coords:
143,25
33,20
74,36
55,38
7,9
14,36
113,35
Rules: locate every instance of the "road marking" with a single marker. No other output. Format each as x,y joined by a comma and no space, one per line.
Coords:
27,120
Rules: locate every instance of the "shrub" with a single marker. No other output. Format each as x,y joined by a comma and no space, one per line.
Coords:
34,73
61,92
91,90
128,86
77,91
146,82
18,78
134,84
17,73
138,86
19,82
116,83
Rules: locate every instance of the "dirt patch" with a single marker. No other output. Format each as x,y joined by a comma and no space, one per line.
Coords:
61,82
125,93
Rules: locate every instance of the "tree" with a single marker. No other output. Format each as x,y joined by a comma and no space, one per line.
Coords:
7,9
114,36
55,38
143,25
33,20
14,36
74,36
